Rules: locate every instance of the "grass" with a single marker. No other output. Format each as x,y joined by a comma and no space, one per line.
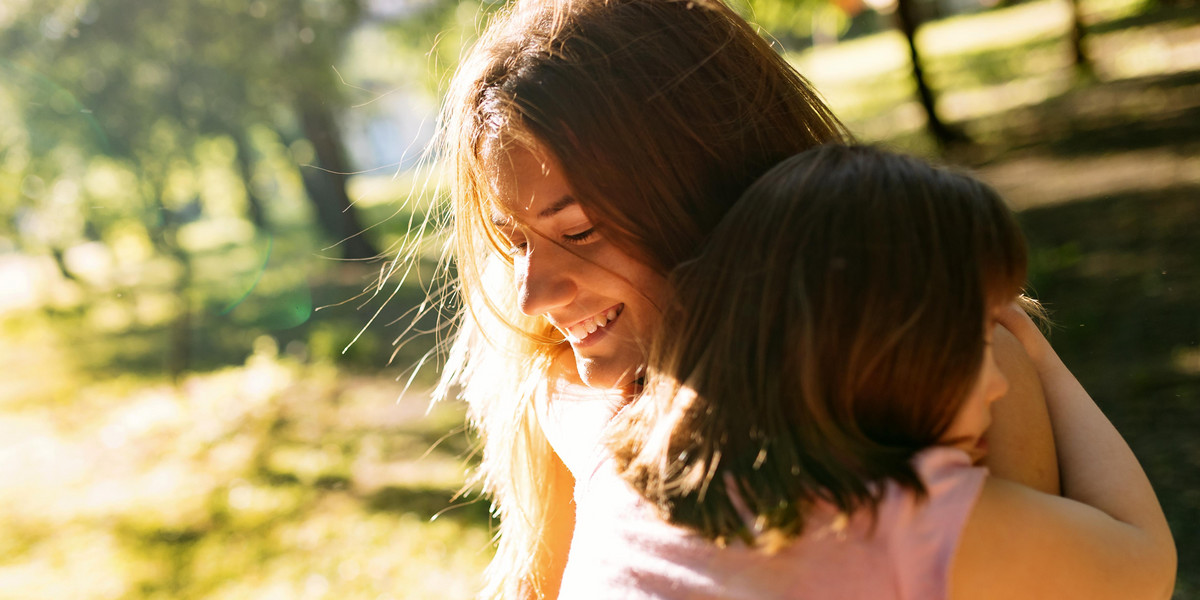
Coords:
274,478
986,64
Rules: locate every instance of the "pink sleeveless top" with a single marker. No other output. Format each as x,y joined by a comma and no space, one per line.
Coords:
622,550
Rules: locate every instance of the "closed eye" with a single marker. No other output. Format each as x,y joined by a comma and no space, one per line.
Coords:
517,244
581,237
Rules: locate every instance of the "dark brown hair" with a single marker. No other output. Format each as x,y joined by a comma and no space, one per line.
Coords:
831,328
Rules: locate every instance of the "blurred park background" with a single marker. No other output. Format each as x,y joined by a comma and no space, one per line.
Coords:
198,198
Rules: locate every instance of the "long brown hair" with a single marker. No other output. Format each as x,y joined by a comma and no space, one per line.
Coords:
831,329
659,113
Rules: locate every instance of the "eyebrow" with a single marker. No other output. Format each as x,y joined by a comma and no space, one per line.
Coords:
560,205
557,207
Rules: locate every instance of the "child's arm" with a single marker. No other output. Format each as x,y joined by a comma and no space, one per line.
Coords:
1020,439
1106,538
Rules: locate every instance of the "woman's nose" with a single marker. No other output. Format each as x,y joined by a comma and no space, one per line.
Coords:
544,280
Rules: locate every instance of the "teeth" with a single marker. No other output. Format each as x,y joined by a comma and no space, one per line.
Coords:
577,333
580,332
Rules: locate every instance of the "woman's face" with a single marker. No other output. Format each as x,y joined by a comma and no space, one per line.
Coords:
969,428
603,301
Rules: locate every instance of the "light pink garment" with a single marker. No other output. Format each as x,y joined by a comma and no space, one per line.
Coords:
622,550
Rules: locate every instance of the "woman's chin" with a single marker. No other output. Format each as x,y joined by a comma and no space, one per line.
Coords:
608,373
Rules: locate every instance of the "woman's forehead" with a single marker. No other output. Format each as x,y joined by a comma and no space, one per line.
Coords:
525,185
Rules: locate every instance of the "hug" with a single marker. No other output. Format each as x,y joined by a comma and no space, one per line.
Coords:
714,349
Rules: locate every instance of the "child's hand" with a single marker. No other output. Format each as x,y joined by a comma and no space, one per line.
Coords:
1016,321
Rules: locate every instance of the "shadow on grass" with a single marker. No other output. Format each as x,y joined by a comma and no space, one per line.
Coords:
995,66
338,314
1121,275
1183,12
430,503
1131,114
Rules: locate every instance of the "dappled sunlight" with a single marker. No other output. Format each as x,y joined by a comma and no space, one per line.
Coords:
973,104
1017,25
1040,181
1186,360
268,479
1142,51
29,282
989,63
76,562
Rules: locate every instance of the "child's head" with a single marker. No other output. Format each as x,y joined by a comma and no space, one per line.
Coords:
833,326
655,114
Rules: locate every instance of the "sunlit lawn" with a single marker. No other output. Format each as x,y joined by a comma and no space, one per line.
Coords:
281,469
982,65
271,479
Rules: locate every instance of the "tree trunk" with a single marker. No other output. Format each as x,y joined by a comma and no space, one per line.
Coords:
254,206
179,337
179,352
908,21
1082,65
326,185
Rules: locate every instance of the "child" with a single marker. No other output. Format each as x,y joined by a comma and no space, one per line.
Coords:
821,389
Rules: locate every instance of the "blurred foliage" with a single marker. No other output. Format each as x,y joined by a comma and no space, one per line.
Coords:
183,147
170,94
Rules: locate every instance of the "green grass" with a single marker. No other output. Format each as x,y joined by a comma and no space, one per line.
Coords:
980,65
274,478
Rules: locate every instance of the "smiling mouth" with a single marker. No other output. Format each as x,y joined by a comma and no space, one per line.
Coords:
581,330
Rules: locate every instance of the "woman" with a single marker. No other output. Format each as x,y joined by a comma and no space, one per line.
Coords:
595,146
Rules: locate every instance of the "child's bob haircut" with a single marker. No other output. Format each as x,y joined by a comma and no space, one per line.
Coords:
831,329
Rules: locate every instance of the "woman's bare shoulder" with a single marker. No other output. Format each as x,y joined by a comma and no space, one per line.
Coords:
1021,440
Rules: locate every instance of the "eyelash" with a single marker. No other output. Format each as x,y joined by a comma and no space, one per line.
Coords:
573,238
581,237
